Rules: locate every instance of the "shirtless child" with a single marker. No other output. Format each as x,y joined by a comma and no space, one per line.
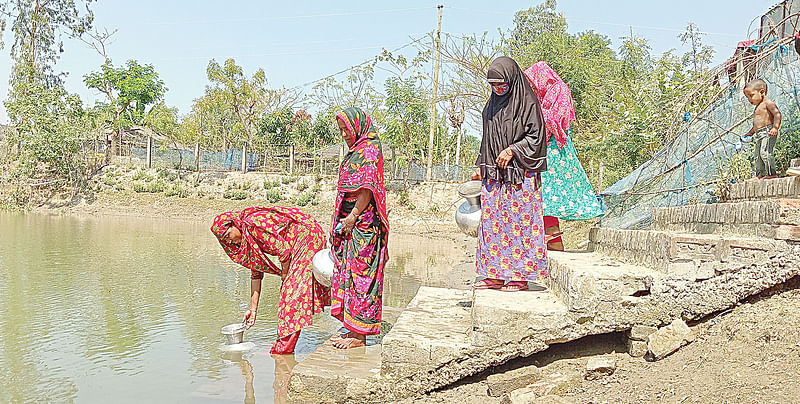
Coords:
766,123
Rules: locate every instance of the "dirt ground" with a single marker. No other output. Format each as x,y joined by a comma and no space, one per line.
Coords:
750,354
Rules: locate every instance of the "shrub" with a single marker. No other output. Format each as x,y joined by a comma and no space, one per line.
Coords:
316,188
737,169
304,199
140,175
274,195
786,149
139,187
235,194
109,180
302,186
246,185
177,190
156,187
286,180
405,200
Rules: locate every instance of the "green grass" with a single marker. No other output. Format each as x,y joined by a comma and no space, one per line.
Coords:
302,186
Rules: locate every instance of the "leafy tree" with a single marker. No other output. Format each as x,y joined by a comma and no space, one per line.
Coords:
405,121
129,89
39,27
699,56
248,97
49,123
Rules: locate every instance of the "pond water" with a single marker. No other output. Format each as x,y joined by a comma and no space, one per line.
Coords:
124,309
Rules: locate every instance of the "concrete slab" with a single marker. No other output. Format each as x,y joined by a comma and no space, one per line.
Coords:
336,375
583,281
434,329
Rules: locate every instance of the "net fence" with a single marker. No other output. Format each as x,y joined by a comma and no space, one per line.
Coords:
687,168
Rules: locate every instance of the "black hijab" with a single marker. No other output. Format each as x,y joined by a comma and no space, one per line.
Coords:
513,119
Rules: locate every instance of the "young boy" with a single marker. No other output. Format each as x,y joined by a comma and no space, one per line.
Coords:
766,123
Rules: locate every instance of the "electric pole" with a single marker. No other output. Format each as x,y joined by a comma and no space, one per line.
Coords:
429,171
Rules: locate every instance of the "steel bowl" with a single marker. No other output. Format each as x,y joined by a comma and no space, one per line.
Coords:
471,191
233,333
323,265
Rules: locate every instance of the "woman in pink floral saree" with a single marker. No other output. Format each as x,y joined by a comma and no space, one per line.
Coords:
360,232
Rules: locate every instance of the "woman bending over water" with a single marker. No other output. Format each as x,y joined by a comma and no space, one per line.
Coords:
359,232
292,236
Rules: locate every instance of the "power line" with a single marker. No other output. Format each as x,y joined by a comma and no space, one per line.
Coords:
288,53
293,17
357,65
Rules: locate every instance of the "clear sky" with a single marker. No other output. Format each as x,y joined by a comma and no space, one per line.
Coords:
299,41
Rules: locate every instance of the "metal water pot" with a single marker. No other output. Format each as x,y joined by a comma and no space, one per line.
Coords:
468,215
323,265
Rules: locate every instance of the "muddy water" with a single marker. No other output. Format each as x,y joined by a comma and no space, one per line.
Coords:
129,309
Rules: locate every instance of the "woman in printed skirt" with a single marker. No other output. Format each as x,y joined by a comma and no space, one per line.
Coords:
513,153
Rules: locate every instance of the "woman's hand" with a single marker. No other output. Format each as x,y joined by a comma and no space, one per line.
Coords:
504,157
476,175
285,269
250,317
348,223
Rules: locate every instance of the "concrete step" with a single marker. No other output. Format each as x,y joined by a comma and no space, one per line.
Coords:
336,375
786,187
776,219
692,255
587,282
496,317
433,331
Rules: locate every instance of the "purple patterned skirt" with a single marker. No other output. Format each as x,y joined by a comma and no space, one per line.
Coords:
511,243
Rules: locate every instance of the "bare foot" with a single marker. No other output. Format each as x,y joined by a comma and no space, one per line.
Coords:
351,340
338,337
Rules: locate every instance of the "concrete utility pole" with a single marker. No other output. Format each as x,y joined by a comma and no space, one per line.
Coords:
429,171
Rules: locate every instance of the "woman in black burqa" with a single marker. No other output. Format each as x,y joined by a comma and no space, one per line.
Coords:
511,240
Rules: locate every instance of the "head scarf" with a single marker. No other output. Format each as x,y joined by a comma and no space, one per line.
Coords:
555,98
362,166
512,120
248,253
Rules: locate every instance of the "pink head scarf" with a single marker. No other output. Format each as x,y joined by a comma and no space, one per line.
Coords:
555,99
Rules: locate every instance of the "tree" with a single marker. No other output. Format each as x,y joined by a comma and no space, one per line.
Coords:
163,120
699,56
50,124
248,97
39,27
406,119
355,91
130,90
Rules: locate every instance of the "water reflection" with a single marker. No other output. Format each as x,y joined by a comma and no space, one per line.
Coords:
131,308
